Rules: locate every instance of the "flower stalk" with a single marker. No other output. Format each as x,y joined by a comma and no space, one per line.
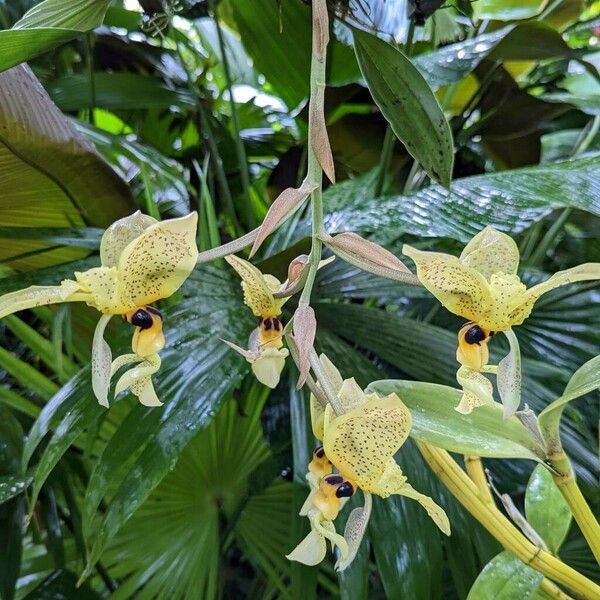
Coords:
467,493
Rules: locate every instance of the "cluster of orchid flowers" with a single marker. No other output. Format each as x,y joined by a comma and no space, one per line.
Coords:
144,260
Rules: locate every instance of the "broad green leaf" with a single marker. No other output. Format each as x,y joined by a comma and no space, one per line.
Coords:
546,509
74,14
50,176
47,25
112,91
12,511
510,201
408,550
508,10
585,380
82,412
505,578
525,41
197,371
484,432
408,104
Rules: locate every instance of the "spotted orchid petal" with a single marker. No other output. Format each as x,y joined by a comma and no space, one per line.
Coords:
258,288
41,295
585,272
101,362
477,390
462,290
355,529
102,287
120,234
491,251
360,443
155,264
509,376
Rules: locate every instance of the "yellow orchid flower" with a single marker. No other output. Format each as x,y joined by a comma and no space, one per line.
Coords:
265,352
360,444
142,261
482,286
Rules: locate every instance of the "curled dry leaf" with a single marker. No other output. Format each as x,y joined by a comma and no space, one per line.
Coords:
367,255
320,23
283,206
305,328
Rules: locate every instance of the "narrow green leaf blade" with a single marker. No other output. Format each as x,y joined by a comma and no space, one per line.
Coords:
408,104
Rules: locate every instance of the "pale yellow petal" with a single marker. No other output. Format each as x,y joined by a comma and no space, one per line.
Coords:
144,370
258,288
101,362
351,395
477,390
327,530
436,512
122,361
585,272
332,372
144,390
317,417
462,290
120,234
361,442
491,251
40,295
155,264
268,366
310,551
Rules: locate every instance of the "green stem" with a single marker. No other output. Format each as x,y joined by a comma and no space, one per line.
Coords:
467,493
565,481
239,144
89,51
